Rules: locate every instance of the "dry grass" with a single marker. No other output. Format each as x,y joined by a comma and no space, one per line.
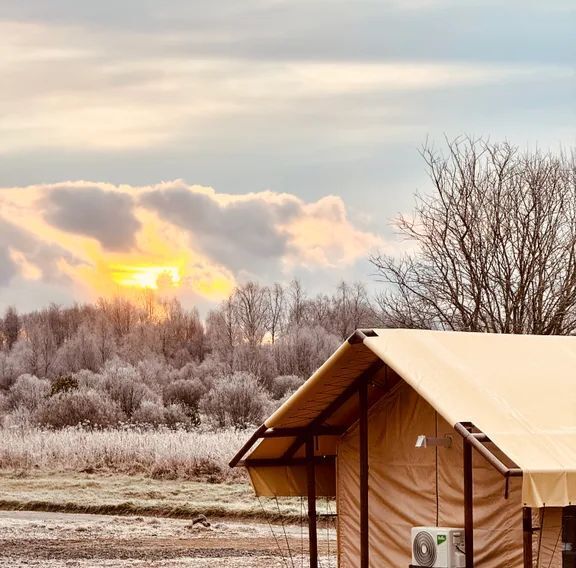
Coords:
135,495
162,453
132,472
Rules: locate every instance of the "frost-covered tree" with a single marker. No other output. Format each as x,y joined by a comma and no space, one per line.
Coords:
237,400
11,327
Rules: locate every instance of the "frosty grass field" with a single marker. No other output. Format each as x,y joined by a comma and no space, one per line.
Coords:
149,484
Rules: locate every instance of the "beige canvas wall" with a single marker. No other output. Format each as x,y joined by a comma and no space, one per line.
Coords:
547,543
410,487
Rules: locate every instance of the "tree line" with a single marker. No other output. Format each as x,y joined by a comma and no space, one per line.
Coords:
152,361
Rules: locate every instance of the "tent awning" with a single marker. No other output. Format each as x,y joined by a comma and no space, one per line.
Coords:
520,390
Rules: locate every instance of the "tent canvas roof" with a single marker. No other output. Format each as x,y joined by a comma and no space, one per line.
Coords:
520,390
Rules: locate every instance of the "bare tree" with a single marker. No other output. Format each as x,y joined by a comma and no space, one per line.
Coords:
351,309
303,349
360,309
180,332
55,317
121,313
297,303
222,332
11,326
104,339
495,244
42,350
276,311
79,352
149,303
251,304
320,312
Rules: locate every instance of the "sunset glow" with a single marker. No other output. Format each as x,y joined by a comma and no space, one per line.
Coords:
88,240
151,277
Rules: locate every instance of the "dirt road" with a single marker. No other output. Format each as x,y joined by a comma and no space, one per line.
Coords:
56,540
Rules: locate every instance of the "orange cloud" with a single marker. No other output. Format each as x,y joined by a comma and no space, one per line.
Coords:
176,238
322,235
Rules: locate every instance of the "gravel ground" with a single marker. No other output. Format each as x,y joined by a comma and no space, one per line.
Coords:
59,540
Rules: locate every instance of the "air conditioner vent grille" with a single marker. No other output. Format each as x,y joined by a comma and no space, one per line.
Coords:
424,549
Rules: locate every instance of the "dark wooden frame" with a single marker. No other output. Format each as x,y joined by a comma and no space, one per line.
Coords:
325,414
364,475
474,439
316,426
468,505
306,435
266,462
527,532
311,484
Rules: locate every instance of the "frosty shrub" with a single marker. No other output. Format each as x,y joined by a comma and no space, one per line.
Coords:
209,368
126,388
28,392
19,359
186,393
88,379
20,418
8,371
80,406
63,383
153,371
79,352
284,385
257,361
129,394
174,416
236,400
177,417
304,349
149,413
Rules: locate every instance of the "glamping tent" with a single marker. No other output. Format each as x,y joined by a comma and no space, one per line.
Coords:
411,428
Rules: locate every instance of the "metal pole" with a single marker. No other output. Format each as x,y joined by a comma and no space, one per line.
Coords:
311,482
468,505
364,517
527,532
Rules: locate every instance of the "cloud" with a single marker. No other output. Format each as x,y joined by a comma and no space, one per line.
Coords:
310,97
91,211
322,235
94,90
262,231
240,232
8,267
101,238
25,254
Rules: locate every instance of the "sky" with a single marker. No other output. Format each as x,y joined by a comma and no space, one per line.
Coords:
190,146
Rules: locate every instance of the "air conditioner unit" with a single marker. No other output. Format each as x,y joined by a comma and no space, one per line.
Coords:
438,547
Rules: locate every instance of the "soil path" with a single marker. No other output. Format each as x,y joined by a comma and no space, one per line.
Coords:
59,540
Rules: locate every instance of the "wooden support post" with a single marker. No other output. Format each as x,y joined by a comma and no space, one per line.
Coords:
311,482
569,536
364,516
527,532
468,505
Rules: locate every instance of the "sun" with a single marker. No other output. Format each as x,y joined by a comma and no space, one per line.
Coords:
145,276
